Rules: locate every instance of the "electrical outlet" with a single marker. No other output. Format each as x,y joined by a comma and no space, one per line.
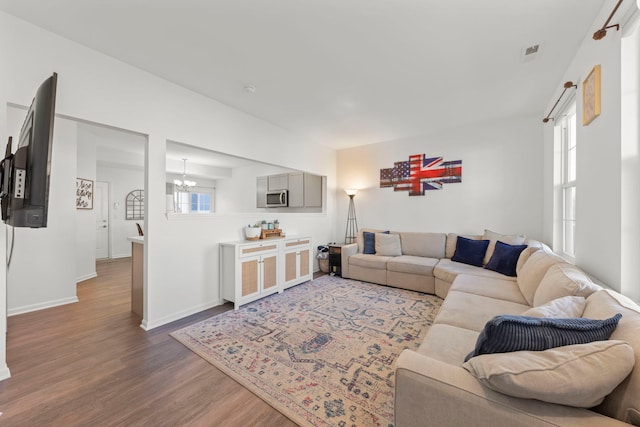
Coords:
18,189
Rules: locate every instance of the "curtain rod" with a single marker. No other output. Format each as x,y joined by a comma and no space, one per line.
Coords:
599,35
567,85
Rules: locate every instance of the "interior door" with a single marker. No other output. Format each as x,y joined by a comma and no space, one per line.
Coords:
101,206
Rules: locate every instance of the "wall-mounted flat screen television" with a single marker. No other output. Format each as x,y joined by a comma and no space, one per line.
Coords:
24,175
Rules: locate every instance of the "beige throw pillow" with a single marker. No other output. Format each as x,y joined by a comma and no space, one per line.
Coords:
565,307
493,237
563,279
571,375
388,244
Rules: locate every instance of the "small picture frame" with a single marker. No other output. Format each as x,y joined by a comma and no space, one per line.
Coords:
84,193
591,96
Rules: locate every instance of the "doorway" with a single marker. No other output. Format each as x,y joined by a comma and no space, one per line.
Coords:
103,240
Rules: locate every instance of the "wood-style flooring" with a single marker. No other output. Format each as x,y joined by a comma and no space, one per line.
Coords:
90,364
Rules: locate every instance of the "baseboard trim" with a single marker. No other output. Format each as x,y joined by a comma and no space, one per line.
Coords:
86,277
147,325
41,306
121,256
4,373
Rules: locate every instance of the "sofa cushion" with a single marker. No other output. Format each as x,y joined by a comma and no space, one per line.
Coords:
565,307
507,333
430,245
623,402
506,290
472,311
448,270
505,258
452,240
493,237
570,375
469,251
370,242
369,261
412,265
360,237
563,279
388,244
533,271
447,343
524,256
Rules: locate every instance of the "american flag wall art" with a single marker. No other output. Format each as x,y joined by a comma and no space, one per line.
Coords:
421,173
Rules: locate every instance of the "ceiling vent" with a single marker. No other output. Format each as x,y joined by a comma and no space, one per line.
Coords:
531,52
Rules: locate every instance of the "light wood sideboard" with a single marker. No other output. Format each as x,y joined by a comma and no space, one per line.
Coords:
250,270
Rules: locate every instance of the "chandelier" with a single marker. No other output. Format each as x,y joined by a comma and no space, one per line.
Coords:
184,185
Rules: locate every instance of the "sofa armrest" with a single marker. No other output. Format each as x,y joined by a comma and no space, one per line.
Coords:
346,251
429,392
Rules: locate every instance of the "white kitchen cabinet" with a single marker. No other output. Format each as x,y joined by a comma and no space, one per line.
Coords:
297,261
296,190
312,191
261,191
278,182
249,271
305,190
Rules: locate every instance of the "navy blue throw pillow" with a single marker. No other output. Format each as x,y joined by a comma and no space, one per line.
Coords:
370,242
469,251
504,258
507,333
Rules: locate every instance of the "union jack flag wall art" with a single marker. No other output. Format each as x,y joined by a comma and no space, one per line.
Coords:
421,173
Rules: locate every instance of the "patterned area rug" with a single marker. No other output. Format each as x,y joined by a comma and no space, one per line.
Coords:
323,352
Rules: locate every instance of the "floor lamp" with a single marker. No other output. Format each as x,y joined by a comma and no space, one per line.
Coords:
352,222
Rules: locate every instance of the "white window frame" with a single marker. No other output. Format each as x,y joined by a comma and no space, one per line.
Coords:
567,123
184,207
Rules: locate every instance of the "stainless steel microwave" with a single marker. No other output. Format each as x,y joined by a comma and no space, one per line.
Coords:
277,199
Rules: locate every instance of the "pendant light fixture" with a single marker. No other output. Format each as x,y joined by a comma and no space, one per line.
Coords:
184,185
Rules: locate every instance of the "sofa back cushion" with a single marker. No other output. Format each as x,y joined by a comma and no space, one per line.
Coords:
430,245
452,241
387,244
563,279
493,237
360,237
623,402
532,272
524,256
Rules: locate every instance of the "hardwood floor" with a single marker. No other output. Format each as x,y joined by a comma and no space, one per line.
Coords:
90,364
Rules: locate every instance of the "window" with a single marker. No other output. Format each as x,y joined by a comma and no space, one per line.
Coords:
135,205
201,202
198,201
569,149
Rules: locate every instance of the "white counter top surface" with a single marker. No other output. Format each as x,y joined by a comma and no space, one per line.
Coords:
136,239
272,239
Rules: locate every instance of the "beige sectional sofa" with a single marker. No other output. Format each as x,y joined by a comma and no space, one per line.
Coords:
434,385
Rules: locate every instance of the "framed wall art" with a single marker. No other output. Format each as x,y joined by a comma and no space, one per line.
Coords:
84,193
591,96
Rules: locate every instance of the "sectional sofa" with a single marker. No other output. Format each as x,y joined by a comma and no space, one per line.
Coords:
586,384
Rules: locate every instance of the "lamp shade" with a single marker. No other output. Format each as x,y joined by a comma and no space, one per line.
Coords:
351,191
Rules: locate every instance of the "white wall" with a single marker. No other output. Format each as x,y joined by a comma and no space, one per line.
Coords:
501,186
600,167
85,218
630,81
122,180
4,369
181,256
40,252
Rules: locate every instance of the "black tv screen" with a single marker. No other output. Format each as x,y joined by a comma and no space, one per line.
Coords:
25,174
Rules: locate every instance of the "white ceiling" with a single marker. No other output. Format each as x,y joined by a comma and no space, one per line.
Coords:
339,72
